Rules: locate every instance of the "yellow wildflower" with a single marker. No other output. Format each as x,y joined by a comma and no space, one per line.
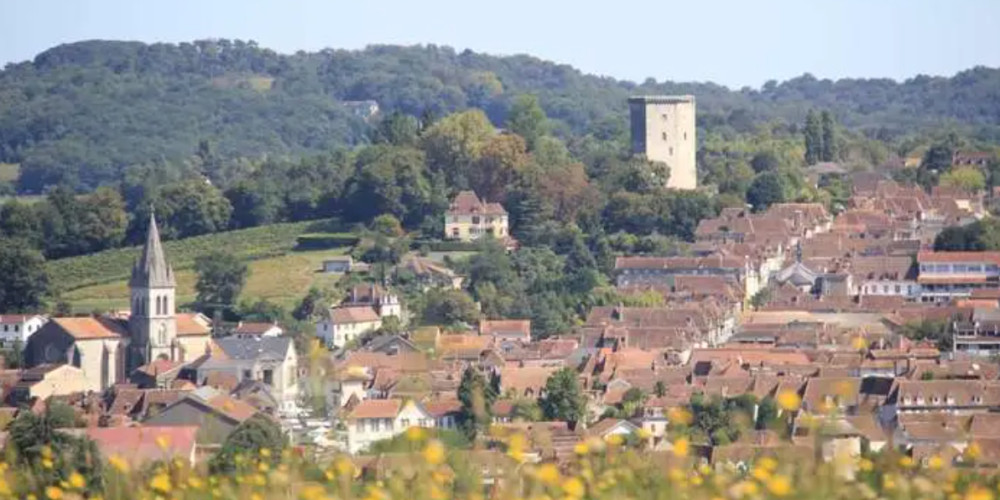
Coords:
760,474
865,464
415,434
906,462
4,487
676,475
767,463
160,483
265,452
977,492
77,481
47,463
344,466
859,343
935,462
195,483
515,447
789,400
312,492
573,487
53,493
548,474
973,451
163,442
615,439
679,416
581,449
681,447
434,452
696,480
779,485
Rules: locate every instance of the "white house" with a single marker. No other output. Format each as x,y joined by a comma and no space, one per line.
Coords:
377,419
18,327
346,323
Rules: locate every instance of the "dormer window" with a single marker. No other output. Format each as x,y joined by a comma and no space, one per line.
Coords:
950,399
977,399
935,400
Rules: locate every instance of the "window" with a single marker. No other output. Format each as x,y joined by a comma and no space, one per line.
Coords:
376,424
269,377
247,374
454,232
475,219
361,426
898,289
663,116
685,136
670,151
664,136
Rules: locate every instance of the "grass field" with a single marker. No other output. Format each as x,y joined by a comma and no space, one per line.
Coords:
282,279
278,272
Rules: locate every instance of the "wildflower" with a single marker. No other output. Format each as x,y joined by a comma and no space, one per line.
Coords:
978,493
515,447
4,487
789,400
344,467
865,464
760,474
265,453
195,483
696,480
681,447
906,462
53,493
704,469
779,485
312,492
77,481
973,451
679,416
935,463
676,475
256,496
859,343
615,439
160,483
47,463
767,463
163,442
573,487
415,434
434,452
548,474
581,449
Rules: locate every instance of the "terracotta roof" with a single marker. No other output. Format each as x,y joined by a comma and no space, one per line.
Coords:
974,257
525,378
985,426
158,367
353,314
7,319
505,327
231,407
247,328
441,407
87,328
376,408
140,445
467,203
192,324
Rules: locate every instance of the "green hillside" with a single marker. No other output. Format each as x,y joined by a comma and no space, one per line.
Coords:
80,113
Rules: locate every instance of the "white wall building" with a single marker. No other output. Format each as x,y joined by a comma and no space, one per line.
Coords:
18,327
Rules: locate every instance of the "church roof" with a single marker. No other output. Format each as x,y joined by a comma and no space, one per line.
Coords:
798,274
152,270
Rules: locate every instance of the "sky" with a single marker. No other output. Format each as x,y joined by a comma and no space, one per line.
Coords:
731,42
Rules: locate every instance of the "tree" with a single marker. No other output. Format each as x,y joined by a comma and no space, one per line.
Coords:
455,142
308,305
563,399
969,179
937,159
389,180
526,410
387,225
103,220
190,208
448,307
527,119
33,437
500,163
829,149
814,138
221,277
397,129
248,439
18,220
477,396
765,161
766,190
25,283
660,389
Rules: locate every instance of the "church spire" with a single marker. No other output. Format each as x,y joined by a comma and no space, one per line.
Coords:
152,270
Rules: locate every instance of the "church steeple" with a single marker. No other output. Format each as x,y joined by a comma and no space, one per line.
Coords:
152,270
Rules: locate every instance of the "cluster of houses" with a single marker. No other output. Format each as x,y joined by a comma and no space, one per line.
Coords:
789,300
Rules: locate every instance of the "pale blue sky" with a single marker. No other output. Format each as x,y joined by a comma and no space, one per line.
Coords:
734,42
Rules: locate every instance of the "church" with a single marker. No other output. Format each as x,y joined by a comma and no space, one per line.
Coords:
110,347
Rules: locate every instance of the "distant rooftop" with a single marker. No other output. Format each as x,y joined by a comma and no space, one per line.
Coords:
661,99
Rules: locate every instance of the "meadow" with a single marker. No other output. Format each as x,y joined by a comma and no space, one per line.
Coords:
278,272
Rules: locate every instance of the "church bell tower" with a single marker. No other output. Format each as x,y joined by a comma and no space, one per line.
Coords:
152,323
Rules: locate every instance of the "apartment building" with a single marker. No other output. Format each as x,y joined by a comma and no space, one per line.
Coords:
948,275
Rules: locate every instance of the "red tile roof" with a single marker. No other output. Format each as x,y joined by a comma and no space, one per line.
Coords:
974,257
140,445
254,328
91,328
192,324
353,314
467,203
376,408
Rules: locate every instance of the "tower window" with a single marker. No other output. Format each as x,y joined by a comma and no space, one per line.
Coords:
664,136
663,116
685,136
670,151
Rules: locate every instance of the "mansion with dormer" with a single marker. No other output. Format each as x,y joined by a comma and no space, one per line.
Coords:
110,347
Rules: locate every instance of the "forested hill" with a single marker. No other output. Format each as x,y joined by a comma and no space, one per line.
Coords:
79,113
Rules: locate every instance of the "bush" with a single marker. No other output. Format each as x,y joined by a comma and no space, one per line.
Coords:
324,241
444,246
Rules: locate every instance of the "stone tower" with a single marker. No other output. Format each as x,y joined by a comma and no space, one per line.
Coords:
663,129
152,324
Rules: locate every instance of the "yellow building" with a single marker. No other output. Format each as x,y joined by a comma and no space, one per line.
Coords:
469,218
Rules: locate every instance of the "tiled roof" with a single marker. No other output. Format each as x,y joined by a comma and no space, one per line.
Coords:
505,327
353,314
8,319
972,257
159,367
141,445
255,348
88,328
467,203
376,408
192,324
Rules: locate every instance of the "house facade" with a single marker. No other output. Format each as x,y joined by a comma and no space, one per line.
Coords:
377,419
344,324
19,327
469,218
